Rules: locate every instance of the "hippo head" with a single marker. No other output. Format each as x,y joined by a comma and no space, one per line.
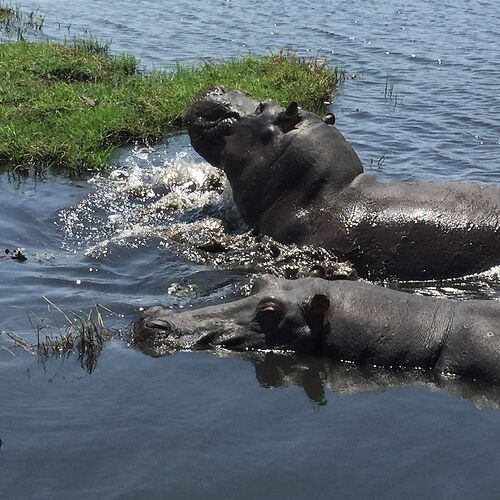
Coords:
278,315
266,149
210,117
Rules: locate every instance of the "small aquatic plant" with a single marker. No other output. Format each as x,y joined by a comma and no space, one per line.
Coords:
5,12
17,22
83,334
390,94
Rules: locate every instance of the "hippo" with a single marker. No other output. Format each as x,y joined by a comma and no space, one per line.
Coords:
294,177
352,321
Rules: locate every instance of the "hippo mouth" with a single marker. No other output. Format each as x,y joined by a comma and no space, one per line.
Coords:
219,126
214,112
211,117
160,331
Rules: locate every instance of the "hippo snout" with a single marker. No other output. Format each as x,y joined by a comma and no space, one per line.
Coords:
160,330
153,322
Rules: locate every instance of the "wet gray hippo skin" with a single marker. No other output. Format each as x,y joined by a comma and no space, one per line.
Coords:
294,177
351,321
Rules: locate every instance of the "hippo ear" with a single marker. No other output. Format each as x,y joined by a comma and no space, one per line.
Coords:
292,109
288,119
329,119
315,311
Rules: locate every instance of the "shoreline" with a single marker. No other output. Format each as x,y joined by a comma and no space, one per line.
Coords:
67,107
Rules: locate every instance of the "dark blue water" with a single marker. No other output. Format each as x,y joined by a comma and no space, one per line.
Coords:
424,105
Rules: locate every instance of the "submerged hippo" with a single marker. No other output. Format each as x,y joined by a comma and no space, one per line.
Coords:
351,321
294,177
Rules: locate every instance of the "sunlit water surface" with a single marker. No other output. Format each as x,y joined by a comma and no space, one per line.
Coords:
424,105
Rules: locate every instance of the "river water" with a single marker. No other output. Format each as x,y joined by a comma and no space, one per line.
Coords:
424,104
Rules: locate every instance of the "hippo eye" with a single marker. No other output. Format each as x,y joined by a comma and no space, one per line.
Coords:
267,134
269,312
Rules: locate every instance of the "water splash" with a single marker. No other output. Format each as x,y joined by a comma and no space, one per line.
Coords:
147,192
168,198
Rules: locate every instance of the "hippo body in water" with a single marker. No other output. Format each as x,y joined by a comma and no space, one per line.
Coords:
351,321
295,178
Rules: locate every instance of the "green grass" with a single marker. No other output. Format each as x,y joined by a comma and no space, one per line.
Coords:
6,10
68,106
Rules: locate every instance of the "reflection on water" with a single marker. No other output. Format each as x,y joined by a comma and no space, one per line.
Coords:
319,376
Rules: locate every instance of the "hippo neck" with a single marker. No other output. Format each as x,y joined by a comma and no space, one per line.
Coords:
278,203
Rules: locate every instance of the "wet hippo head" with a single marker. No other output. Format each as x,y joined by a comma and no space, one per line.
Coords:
266,149
275,316
210,117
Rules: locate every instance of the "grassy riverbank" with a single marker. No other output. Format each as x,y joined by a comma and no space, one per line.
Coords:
69,106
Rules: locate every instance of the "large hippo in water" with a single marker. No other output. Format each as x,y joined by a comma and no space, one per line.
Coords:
351,321
294,177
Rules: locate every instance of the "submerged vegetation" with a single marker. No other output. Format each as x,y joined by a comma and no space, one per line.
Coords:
70,105
82,333
5,12
14,21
